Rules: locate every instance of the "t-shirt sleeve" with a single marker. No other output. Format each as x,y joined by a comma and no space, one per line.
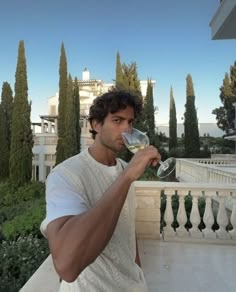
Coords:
62,199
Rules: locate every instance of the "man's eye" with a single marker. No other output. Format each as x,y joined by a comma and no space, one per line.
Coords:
117,121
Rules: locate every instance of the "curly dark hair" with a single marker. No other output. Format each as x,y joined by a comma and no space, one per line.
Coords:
112,102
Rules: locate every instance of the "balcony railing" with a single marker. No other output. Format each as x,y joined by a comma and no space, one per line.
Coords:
158,219
206,170
151,196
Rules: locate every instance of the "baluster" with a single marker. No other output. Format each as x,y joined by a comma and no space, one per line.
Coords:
222,218
233,218
181,231
168,230
195,218
208,217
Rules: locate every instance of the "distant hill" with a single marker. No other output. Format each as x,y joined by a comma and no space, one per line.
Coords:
204,128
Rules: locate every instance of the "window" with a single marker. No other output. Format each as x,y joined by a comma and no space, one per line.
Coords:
36,157
47,170
37,173
47,157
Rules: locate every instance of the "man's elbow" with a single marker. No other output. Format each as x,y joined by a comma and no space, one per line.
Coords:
66,271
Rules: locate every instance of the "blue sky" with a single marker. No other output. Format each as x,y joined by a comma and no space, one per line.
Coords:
166,38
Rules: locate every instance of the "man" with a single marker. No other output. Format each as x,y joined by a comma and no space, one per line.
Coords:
90,221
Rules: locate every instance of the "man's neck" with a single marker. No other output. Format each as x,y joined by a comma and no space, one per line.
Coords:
102,155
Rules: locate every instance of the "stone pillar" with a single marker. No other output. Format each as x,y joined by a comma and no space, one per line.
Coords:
233,218
208,217
55,126
42,125
168,230
222,218
49,127
195,218
147,213
181,231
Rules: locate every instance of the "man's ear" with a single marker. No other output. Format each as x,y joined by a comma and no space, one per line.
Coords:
96,126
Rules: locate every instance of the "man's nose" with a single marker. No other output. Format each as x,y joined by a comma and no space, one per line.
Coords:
127,128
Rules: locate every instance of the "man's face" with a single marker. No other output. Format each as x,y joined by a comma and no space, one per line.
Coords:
109,133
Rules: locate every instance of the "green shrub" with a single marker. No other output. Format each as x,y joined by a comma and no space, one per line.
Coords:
19,260
26,222
10,195
9,212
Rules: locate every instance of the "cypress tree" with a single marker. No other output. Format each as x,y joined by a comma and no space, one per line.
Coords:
60,151
7,104
119,73
149,113
20,166
191,132
4,157
70,129
76,98
172,122
5,128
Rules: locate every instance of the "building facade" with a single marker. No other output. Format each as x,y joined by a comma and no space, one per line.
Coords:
45,133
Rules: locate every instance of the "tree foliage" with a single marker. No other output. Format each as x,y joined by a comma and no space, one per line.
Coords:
172,122
76,99
4,150
5,128
119,73
20,165
60,151
130,78
225,114
149,114
7,106
191,132
70,116
127,79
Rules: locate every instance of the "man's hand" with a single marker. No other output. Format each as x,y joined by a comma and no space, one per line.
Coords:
141,160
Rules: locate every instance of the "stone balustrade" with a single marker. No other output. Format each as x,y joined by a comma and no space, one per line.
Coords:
155,201
204,171
148,220
216,161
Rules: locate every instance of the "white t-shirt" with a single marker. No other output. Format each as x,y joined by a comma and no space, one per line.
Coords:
72,188
63,197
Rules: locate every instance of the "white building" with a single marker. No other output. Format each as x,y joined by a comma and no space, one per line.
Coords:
223,23
45,133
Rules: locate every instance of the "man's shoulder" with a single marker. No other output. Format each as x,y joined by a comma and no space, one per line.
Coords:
71,165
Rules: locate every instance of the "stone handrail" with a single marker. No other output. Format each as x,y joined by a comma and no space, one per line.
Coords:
190,170
148,196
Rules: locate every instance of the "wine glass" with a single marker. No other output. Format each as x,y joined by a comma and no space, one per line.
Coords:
136,140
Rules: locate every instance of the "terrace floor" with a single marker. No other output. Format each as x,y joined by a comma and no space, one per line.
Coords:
168,267
189,267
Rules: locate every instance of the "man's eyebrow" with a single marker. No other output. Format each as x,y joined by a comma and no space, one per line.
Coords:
122,118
